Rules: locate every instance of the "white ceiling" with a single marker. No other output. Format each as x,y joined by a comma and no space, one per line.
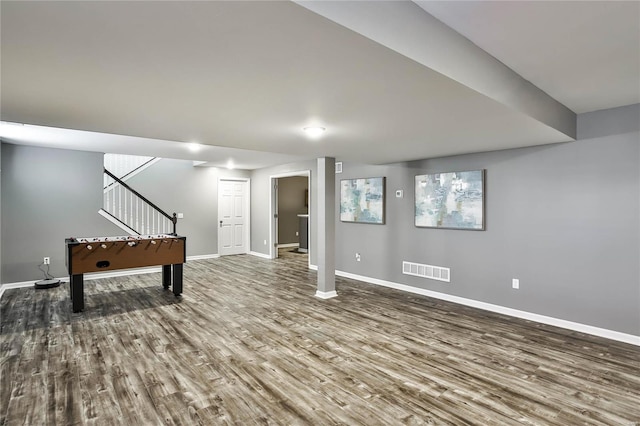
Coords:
585,54
247,76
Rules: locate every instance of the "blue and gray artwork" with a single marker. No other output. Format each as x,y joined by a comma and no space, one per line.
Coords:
362,200
450,200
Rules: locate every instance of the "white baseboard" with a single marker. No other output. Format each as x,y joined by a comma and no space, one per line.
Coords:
203,257
8,286
570,325
326,294
323,294
288,245
100,275
262,255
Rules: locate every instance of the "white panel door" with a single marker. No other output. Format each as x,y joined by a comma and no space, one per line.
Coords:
232,220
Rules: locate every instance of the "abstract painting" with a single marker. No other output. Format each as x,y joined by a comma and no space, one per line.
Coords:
453,200
362,200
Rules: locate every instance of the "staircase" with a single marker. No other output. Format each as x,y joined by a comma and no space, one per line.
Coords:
126,166
131,211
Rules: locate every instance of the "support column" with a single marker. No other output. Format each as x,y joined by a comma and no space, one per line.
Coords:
326,207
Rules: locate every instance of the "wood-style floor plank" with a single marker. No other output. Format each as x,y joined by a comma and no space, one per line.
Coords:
248,343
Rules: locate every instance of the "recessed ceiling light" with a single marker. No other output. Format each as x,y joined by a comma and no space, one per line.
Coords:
314,131
194,147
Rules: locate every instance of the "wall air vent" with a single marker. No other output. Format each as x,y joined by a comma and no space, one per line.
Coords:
339,167
426,271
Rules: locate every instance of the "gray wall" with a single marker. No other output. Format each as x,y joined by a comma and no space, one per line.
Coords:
47,195
562,218
177,186
291,203
51,194
260,202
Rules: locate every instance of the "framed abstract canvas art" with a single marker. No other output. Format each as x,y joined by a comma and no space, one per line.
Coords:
362,200
453,200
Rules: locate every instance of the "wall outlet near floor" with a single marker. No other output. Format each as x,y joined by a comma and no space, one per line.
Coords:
46,261
515,283
358,257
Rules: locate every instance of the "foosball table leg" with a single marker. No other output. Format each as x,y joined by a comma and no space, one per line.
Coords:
166,276
177,279
76,285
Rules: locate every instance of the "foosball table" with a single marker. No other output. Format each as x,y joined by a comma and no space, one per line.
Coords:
99,254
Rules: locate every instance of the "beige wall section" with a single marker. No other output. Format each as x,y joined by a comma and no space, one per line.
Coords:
291,203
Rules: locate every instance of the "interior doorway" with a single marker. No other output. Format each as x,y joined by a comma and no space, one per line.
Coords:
290,211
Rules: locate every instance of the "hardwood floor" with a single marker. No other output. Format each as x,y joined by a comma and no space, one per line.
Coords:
248,343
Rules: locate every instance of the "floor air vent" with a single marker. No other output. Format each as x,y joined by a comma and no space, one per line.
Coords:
426,271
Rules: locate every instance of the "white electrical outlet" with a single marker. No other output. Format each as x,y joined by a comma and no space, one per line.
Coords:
358,257
515,283
46,261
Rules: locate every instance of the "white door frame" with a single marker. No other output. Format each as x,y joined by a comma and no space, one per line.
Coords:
246,207
273,252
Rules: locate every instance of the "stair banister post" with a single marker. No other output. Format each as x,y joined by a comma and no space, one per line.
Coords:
174,219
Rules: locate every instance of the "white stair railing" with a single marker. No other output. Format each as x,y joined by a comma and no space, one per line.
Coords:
129,207
125,166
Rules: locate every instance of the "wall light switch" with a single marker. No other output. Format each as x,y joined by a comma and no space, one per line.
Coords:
399,193
180,215
515,283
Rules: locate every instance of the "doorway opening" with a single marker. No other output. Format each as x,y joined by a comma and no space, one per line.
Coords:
290,224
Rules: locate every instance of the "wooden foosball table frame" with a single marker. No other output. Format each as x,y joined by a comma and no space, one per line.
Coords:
101,254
